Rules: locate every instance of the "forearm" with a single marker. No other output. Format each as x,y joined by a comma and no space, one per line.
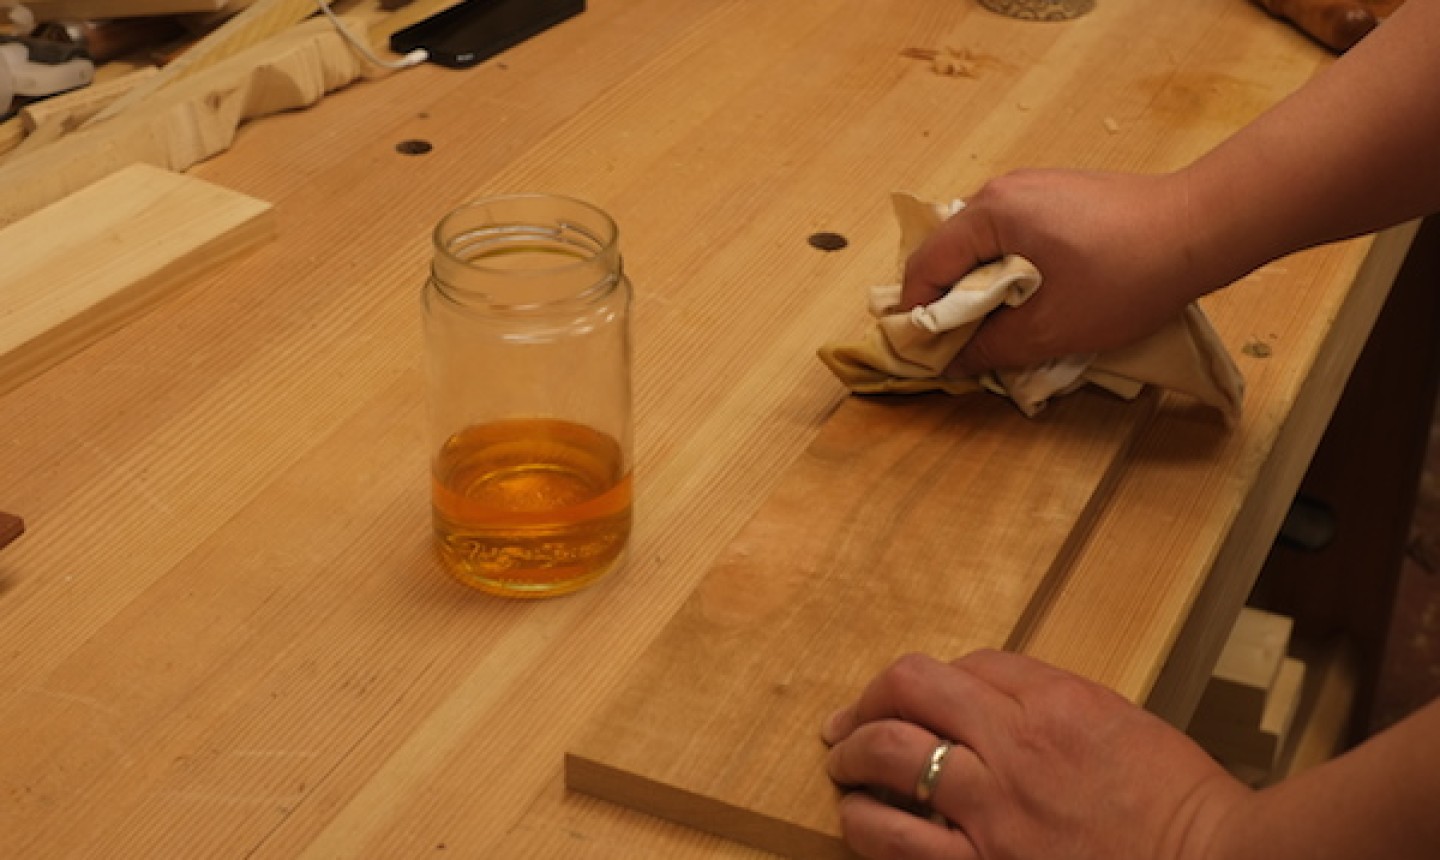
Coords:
1378,800
1355,150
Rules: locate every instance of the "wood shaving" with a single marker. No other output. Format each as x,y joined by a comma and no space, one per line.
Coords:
1111,125
1256,348
947,62
953,63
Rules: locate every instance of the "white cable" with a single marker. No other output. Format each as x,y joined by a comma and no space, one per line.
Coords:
414,58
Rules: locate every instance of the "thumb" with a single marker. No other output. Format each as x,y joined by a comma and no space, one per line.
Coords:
996,345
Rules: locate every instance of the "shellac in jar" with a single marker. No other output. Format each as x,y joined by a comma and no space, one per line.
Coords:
527,339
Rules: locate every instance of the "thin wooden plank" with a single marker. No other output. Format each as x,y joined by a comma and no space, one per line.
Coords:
1326,707
89,10
85,265
926,524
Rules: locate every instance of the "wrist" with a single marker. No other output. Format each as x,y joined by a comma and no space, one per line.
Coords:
1208,819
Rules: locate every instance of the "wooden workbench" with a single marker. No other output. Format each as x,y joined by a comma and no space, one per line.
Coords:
224,634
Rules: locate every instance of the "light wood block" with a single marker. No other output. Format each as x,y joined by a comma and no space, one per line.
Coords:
1255,747
82,267
1326,710
925,525
1247,669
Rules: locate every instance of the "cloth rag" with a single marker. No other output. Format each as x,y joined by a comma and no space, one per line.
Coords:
908,351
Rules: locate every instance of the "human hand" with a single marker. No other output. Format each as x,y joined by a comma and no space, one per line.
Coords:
1117,253
1044,766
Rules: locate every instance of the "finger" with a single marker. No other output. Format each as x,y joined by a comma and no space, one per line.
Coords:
947,700
1002,342
891,757
1010,673
889,754
960,244
878,831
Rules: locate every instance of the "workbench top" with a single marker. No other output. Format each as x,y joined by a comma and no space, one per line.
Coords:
224,633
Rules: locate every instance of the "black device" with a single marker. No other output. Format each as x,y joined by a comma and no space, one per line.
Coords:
477,30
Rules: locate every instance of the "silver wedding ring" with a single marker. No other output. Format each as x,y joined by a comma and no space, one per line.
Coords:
925,785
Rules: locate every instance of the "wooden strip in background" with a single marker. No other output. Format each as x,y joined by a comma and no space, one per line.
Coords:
12,134
255,24
49,120
188,122
84,266
927,524
76,106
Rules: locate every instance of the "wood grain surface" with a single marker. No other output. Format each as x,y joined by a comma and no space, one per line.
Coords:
224,633
925,524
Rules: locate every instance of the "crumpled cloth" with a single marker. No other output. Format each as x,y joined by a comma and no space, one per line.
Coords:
908,351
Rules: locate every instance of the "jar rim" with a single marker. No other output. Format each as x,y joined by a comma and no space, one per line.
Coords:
608,239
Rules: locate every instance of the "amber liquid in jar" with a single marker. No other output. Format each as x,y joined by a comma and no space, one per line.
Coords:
530,506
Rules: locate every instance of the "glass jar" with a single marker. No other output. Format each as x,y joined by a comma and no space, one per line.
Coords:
527,331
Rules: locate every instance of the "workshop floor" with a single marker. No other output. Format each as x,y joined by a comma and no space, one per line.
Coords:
1411,673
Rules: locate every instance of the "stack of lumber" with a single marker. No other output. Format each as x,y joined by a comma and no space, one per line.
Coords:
1249,706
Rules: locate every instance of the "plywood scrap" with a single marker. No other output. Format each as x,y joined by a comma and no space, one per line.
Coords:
190,121
84,266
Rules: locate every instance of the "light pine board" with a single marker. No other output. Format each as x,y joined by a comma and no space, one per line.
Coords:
68,10
81,267
923,524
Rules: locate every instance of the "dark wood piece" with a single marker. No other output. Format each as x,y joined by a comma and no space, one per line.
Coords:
11,527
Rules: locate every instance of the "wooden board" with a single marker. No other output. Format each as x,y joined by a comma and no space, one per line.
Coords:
1239,688
83,266
70,10
928,524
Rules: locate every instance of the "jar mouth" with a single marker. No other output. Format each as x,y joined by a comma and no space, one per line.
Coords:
520,235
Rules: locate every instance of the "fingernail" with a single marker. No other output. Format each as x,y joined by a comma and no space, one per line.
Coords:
834,726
